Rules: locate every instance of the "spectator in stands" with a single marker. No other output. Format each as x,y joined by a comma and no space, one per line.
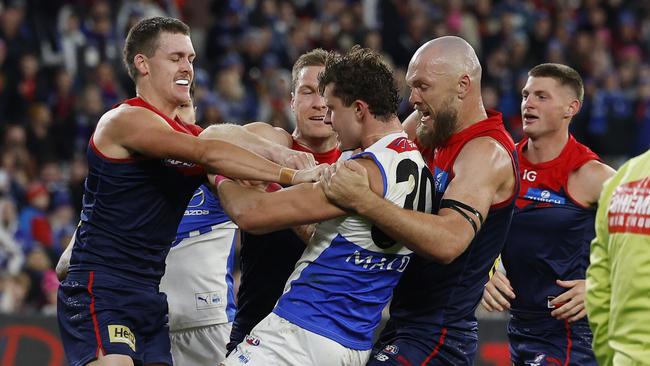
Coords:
33,227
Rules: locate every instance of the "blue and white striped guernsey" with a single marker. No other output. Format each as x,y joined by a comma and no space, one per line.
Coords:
347,273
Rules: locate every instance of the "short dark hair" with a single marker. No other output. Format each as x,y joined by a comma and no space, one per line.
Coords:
315,57
143,38
563,74
362,74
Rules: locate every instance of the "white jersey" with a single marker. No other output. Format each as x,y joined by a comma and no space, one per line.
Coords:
198,278
349,269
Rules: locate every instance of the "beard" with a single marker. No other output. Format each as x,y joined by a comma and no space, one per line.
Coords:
444,124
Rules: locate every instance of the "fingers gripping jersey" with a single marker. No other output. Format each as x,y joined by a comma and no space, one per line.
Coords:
347,273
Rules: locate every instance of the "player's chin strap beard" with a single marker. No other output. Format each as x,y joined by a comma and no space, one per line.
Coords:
459,207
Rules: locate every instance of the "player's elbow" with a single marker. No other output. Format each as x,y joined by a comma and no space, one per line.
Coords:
448,257
212,156
62,269
222,131
250,225
247,219
444,254
445,257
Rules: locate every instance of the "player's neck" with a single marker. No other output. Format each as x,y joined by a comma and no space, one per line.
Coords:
373,132
146,93
474,112
546,148
317,145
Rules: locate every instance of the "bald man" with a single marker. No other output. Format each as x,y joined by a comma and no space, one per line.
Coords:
473,160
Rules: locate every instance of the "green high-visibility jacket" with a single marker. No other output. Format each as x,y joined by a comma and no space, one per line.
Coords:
618,278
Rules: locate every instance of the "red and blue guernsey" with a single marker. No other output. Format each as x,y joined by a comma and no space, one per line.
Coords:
110,302
549,240
432,313
132,208
551,232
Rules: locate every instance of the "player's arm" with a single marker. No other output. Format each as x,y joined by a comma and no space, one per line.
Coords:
598,284
585,185
304,232
482,168
64,261
260,212
270,142
140,131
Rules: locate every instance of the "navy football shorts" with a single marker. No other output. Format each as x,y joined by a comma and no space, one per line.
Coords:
102,313
550,342
419,347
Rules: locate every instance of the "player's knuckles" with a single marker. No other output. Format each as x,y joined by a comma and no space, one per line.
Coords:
486,305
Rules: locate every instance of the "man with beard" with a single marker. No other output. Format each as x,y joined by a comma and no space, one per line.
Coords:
474,163
332,302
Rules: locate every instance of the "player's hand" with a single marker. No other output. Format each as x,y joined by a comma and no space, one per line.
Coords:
309,175
254,184
497,292
346,184
570,305
294,159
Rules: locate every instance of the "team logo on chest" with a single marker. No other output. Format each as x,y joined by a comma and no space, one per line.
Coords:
545,195
529,175
402,144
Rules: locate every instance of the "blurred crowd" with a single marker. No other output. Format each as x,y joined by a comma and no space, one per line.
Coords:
61,69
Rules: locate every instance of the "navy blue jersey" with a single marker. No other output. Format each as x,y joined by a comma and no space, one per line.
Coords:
551,232
131,210
266,263
431,294
202,213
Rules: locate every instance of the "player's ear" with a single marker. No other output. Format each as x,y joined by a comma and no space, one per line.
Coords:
464,84
360,108
573,108
141,64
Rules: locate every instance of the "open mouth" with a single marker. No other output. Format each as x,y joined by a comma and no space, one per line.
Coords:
529,118
425,115
182,82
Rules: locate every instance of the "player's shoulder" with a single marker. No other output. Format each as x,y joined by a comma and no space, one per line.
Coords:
484,149
593,171
269,132
587,181
484,159
124,114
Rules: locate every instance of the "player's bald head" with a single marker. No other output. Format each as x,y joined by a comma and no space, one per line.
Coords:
449,55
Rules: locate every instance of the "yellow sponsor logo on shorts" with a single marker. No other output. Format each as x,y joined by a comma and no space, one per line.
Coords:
121,334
